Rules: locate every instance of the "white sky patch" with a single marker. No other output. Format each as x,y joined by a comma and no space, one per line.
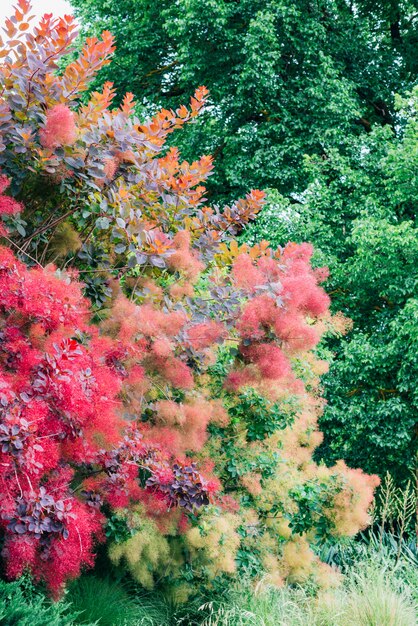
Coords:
39,7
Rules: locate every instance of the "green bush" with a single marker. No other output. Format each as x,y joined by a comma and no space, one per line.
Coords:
22,605
359,211
107,602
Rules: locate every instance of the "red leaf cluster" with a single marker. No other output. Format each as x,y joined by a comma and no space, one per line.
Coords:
61,408
284,299
8,205
60,128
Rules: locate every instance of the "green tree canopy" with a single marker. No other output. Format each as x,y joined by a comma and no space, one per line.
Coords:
286,78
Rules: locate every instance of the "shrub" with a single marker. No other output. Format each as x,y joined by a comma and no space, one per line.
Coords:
181,423
21,605
101,600
62,430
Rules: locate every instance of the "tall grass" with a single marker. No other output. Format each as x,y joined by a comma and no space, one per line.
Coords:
105,602
100,600
373,594
377,591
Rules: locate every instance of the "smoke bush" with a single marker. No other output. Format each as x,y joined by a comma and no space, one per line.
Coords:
177,417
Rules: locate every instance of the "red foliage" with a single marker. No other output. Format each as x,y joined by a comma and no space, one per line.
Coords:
59,129
283,292
110,167
246,274
258,316
60,390
205,334
237,379
183,259
269,358
49,531
298,335
8,205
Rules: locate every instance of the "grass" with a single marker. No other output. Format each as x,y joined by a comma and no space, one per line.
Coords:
101,600
377,597
373,594
105,602
22,605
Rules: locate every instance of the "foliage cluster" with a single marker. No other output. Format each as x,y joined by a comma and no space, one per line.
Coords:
287,77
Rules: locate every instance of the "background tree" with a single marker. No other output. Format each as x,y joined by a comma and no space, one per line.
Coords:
286,78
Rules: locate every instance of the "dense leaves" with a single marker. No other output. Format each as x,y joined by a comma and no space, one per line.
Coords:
59,393
109,177
286,78
287,81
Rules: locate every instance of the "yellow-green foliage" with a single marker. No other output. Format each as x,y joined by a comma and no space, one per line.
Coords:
213,544
147,553
286,499
65,240
277,501
210,547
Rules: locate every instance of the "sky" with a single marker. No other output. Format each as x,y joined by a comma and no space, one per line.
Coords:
39,7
